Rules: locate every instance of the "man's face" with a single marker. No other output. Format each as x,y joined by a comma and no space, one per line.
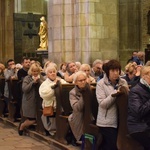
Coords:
98,68
26,64
134,54
11,65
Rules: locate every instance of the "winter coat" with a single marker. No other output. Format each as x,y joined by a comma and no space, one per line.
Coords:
76,118
30,93
47,93
139,108
107,110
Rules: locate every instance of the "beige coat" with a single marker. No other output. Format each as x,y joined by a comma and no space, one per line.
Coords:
76,118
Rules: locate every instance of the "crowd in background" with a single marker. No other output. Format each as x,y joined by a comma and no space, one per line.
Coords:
108,77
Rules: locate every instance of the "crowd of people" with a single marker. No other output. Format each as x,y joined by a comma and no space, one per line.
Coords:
108,77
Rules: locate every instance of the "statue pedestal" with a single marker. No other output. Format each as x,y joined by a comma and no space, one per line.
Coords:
43,54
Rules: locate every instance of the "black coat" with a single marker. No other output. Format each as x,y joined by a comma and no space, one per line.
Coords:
131,82
139,108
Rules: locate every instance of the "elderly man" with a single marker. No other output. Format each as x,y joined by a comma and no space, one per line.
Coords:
96,70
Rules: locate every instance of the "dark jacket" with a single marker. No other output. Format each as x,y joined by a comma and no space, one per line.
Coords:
138,108
131,82
30,94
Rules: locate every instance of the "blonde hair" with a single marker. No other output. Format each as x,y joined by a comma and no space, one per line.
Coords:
83,66
147,63
34,66
2,66
145,70
130,67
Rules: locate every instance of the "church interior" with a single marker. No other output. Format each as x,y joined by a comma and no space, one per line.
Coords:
78,30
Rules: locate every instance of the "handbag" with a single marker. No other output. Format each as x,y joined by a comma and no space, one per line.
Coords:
48,110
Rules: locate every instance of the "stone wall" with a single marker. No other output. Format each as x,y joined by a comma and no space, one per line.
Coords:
6,30
30,6
129,29
82,30
145,37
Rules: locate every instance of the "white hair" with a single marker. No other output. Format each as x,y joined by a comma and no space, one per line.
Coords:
78,74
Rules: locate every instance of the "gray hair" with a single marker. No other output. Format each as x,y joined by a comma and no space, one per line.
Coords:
51,66
78,74
97,61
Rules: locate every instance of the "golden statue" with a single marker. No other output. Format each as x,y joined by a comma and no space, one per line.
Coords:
43,33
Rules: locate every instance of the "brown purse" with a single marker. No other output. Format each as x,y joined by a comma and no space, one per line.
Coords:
49,110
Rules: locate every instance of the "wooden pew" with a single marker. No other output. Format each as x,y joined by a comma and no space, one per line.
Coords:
91,109
2,102
13,108
63,110
39,127
124,141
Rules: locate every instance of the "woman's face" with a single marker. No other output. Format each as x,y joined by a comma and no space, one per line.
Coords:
52,74
86,70
81,81
72,67
35,72
113,74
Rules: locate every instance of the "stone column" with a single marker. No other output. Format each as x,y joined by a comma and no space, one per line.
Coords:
82,30
130,29
6,30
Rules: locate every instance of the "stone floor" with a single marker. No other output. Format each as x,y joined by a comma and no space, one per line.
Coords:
10,140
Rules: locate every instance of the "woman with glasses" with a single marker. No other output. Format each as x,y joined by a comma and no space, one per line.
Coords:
77,104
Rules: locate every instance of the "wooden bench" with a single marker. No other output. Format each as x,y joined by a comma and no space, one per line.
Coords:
39,127
13,107
63,110
2,102
124,141
91,109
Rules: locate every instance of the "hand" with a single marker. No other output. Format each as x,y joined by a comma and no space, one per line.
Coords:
13,67
36,79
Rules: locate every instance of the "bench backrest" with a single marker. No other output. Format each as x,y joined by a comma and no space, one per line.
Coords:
2,85
62,97
13,88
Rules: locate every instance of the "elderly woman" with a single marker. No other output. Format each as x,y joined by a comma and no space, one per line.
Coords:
77,104
71,69
87,69
30,88
139,109
107,119
47,94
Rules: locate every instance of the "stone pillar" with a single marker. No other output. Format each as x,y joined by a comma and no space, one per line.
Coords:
6,30
82,30
144,23
130,29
